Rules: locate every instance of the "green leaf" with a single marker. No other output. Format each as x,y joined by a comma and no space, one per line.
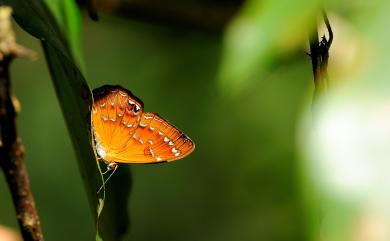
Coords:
68,18
75,99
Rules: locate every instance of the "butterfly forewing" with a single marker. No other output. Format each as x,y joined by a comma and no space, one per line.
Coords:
115,116
124,134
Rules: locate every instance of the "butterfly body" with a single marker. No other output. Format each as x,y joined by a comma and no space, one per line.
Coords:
124,133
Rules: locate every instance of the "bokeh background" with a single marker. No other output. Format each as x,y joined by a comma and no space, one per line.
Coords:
233,76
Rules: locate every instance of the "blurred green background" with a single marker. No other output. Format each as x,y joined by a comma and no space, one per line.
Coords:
244,180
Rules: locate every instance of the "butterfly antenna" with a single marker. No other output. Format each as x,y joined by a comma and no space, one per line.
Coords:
105,181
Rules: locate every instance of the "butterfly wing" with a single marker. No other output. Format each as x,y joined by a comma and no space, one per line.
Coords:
155,140
123,133
116,113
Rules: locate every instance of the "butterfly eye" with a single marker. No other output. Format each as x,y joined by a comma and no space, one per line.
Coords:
136,109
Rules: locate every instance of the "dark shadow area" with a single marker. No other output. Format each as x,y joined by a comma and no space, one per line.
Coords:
211,15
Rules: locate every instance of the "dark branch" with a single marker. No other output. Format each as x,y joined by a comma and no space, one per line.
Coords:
319,54
11,149
314,54
330,32
11,162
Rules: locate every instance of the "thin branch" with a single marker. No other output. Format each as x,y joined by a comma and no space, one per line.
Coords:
314,54
11,149
319,54
328,27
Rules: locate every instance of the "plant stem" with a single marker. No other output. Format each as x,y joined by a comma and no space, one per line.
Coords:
11,162
11,148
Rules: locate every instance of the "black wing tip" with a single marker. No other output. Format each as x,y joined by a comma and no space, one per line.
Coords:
102,92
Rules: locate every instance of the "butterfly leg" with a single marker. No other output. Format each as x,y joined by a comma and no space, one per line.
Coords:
110,167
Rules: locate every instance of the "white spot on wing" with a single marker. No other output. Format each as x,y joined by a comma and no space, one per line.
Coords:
120,102
151,151
166,139
112,101
157,119
127,124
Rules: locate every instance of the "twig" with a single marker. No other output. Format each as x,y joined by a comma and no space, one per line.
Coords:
328,27
319,54
11,149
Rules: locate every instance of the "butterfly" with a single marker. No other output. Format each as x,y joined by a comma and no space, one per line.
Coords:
124,133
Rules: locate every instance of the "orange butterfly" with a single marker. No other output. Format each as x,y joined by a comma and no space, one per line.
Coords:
123,133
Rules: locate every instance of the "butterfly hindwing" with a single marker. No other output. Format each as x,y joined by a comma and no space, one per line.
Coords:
156,140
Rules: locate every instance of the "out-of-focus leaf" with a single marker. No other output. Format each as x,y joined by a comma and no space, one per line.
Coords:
75,98
68,18
262,31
